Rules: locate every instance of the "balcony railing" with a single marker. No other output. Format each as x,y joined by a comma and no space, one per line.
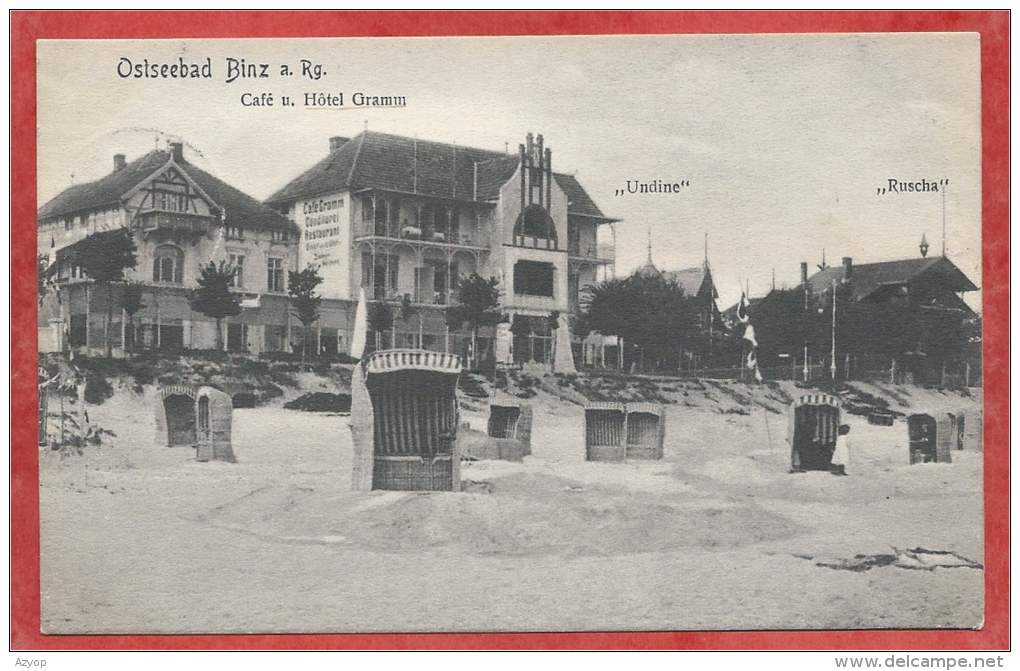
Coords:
392,295
413,233
152,220
528,302
593,253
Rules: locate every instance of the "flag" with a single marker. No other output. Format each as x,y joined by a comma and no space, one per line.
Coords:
752,343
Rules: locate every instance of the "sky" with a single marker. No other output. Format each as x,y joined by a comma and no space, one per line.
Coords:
785,140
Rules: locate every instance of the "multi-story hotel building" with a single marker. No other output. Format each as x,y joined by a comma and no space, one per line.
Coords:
181,217
404,218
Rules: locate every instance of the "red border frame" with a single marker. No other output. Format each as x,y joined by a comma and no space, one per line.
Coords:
27,27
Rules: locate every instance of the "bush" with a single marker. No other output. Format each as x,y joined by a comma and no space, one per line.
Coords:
320,401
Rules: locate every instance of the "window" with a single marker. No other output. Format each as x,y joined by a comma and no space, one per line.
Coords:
379,274
235,232
382,215
276,335
280,235
274,276
367,209
168,265
171,335
533,278
170,202
237,261
535,223
237,337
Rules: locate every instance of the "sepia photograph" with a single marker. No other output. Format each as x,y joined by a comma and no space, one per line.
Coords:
591,333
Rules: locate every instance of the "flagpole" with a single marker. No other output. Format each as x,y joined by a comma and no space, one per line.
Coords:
832,365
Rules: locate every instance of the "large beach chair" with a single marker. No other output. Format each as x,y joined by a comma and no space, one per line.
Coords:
605,429
814,425
404,421
214,411
646,430
931,439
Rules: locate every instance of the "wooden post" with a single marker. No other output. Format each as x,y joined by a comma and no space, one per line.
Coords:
88,315
892,372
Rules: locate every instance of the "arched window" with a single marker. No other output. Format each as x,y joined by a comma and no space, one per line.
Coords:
168,265
535,222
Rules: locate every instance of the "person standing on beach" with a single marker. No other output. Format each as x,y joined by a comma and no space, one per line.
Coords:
841,455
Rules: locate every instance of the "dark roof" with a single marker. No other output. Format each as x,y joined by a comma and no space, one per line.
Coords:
648,269
493,174
103,192
868,278
578,200
404,164
730,313
241,209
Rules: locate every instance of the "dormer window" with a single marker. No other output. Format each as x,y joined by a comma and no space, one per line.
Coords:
234,232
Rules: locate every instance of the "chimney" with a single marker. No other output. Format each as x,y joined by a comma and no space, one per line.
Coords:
848,268
336,142
119,161
177,151
803,283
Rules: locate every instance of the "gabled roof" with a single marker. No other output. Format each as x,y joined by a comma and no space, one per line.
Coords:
868,279
493,174
104,192
578,200
691,280
241,209
408,165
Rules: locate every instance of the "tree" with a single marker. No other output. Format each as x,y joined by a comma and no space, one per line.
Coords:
648,311
304,301
406,309
213,297
477,306
131,302
104,257
380,319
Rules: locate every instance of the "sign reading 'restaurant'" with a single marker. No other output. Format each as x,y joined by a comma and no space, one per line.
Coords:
320,220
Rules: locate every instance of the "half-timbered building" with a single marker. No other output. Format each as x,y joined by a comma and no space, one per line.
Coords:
181,218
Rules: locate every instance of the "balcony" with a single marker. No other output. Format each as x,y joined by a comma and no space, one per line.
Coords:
391,295
413,234
176,222
529,302
597,254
